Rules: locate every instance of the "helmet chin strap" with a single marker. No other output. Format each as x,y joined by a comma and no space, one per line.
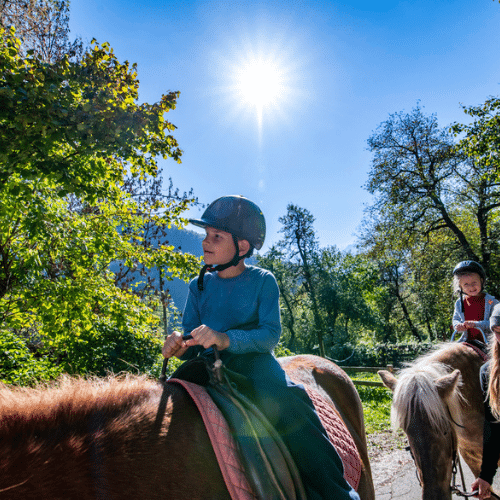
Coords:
233,262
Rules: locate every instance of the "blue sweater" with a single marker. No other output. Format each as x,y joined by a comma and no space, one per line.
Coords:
245,308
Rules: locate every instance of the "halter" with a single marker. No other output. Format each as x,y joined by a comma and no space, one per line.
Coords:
456,464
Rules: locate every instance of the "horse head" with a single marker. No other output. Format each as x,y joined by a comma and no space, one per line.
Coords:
426,405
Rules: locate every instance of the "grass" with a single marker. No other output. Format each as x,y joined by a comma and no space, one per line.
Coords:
376,403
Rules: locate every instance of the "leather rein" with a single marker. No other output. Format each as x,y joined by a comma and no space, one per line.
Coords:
457,464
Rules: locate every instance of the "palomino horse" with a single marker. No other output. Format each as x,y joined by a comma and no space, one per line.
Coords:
133,438
437,401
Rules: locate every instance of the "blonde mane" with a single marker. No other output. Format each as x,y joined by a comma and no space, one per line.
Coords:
416,389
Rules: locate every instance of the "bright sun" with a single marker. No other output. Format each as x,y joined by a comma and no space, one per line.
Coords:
262,77
260,83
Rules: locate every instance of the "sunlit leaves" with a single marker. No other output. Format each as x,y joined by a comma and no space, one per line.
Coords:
73,139
71,121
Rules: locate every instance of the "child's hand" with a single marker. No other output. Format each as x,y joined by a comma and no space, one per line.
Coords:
460,327
174,346
205,336
470,324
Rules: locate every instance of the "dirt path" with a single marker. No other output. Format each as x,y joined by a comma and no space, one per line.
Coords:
393,471
389,460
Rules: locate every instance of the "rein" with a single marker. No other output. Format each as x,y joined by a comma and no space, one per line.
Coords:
457,464
454,488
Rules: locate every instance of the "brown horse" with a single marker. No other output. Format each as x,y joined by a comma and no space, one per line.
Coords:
437,401
133,438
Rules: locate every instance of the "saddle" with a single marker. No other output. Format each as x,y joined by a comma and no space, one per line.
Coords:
479,347
268,465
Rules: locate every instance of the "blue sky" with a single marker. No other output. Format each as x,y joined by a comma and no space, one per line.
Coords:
338,70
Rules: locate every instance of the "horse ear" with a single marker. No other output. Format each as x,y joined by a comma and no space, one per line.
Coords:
447,384
388,379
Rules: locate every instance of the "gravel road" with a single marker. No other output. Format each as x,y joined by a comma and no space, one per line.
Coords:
390,463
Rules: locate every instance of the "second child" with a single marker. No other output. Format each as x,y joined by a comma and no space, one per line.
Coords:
474,306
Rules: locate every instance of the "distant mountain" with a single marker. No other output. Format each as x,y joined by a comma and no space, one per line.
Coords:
188,242
185,241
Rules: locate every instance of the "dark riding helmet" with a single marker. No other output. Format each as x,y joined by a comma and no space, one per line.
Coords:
239,217
236,215
469,266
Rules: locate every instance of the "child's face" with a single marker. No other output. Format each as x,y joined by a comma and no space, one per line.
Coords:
218,247
471,284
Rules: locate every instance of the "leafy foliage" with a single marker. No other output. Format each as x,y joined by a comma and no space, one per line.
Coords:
435,203
18,365
72,140
326,295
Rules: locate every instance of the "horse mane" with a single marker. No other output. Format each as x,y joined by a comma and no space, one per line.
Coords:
69,400
416,390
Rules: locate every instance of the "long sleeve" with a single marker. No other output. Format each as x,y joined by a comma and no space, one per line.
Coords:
491,434
458,314
246,308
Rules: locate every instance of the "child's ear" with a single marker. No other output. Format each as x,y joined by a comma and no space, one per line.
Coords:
244,247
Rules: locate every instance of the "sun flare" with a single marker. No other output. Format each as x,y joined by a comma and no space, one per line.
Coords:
262,77
260,82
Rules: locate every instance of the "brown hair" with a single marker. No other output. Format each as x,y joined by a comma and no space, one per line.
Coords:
494,382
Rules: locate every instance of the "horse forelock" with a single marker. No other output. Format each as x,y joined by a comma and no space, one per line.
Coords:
71,399
416,392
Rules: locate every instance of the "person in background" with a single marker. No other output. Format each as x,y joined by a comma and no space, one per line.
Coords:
490,386
473,307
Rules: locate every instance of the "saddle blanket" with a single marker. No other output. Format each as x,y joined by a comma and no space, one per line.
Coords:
226,450
481,353
339,436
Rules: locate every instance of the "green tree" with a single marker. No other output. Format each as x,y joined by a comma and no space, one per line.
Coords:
346,285
479,178
287,278
301,246
413,174
436,202
71,136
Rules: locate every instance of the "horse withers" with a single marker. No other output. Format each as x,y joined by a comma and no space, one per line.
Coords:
124,438
437,401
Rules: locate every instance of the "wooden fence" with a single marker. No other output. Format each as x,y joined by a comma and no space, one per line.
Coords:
367,369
